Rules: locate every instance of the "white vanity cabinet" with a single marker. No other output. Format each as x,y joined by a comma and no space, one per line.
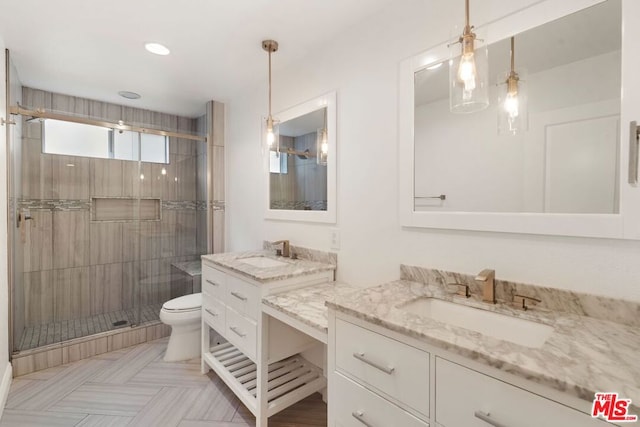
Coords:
465,397
380,378
261,360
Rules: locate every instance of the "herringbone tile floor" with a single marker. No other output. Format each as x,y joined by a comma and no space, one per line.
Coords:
135,387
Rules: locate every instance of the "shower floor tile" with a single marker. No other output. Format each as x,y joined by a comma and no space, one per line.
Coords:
55,332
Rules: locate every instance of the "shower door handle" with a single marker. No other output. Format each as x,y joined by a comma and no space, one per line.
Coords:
634,140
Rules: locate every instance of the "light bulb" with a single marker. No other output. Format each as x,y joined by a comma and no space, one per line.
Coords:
467,71
324,144
271,137
163,171
511,105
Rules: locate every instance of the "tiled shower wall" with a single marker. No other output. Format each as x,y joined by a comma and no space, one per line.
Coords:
74,267
304,186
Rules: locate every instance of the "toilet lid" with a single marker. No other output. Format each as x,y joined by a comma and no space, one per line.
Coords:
187,302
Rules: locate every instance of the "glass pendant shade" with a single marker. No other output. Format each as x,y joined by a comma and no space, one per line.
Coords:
322,146
271,133
513,114
468,74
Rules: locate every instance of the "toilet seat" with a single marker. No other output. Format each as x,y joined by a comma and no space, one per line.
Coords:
186,303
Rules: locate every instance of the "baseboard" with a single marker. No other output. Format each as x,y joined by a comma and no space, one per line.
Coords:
4,387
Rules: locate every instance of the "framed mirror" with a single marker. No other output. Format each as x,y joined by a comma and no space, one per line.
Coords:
300,168
565,171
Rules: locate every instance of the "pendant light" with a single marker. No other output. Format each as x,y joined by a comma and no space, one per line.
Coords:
512,105
322,142
272,137
468,73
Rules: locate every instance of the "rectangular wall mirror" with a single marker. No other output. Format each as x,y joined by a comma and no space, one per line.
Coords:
301,166
563,173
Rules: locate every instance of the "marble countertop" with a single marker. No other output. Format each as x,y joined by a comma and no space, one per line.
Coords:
582,356
308,304
292,268
192,268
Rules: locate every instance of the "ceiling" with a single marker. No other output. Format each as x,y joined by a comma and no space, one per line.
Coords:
95,48
588,33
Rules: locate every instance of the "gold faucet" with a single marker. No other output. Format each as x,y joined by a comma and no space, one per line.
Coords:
285,247
488,278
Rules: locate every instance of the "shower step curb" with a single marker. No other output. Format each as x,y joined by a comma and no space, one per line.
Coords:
37,359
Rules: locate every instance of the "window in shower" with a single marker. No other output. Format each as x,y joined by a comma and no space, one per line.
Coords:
77,139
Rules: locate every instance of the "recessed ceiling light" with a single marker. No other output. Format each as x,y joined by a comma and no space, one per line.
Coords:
129,95
435,66
157,48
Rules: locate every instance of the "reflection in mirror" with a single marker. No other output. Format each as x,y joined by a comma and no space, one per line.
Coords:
297,181
567,159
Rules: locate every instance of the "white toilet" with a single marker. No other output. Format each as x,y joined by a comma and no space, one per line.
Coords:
183,314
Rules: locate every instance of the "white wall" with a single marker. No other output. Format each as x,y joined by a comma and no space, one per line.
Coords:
5,367
362,65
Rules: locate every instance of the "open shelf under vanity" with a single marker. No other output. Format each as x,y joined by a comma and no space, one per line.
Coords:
289,380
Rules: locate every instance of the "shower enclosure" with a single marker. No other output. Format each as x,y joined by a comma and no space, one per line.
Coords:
107,205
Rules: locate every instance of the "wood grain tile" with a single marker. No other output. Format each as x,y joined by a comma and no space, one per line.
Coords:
218,231
38,297
125,368
37,170
185,237
71,294
106,178
106,399
38,241
104,421
41,398
218,123
186,174
106,243
71,239
167,408
218,173
106,288
70,177
42,375
163,374
24,418
215,403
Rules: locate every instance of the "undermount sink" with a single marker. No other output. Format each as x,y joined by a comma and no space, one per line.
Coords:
506,328
262,262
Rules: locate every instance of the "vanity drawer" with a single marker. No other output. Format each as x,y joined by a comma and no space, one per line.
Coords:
241,332
213,312
355,406
396,369
462,392
213,282
243,297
